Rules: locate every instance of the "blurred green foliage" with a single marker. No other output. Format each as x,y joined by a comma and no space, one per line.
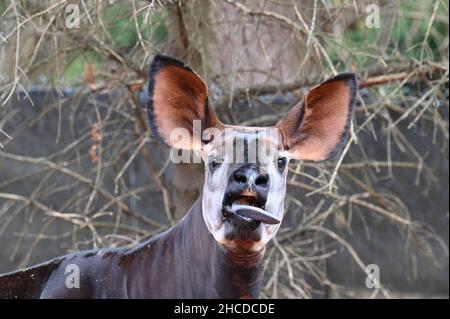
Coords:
123,28
408,38
75,68
2,6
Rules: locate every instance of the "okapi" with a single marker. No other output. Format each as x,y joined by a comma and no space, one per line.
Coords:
217,249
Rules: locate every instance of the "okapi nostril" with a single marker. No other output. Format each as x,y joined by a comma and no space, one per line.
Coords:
262,180
240,177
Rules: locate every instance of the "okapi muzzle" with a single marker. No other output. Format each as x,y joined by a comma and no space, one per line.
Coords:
217,249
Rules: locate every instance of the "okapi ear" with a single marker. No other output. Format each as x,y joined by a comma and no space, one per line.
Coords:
314,129
177,97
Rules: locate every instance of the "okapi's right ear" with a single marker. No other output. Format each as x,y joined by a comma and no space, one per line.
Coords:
177,97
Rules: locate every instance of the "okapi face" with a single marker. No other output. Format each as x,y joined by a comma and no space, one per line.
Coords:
245,167
243,195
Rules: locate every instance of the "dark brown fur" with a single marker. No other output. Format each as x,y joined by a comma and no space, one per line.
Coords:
183,262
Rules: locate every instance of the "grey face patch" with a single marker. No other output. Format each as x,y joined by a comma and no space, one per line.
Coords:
250,148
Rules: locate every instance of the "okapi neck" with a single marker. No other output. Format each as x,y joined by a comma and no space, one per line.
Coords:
244,259
237,275
233,274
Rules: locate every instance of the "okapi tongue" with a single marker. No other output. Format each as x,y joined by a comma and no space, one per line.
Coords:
255,213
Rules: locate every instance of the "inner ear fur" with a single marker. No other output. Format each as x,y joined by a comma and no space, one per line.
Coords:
177,97
315,129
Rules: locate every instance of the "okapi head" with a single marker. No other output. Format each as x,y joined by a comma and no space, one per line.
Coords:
245,167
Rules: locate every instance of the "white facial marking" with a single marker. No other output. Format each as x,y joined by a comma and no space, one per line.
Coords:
220,165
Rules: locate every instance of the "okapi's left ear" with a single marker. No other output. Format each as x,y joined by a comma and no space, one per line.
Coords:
177,97
314,129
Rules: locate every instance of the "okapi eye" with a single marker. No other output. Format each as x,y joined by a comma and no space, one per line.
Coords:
214,164
282,161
